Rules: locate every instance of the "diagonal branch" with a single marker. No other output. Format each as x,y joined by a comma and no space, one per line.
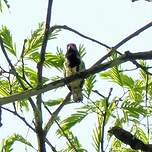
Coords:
22,118
133,35
84,74
64,133
55,113
65,27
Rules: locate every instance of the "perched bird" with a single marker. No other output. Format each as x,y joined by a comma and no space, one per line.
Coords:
72,65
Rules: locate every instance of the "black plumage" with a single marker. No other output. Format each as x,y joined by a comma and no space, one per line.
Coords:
72,65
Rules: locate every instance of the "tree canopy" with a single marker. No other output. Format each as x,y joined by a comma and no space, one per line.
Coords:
122,116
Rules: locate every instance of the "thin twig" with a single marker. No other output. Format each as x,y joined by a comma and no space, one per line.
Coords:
55,113
92,108
97,92
65,135
23,65
52,147
22,118
65,27
104,57
104,120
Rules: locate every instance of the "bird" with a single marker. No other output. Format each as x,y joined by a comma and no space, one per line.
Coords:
72,65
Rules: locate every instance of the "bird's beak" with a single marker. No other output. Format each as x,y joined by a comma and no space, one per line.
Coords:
69,46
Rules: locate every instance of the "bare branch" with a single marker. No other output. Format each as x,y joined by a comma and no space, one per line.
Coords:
64,133
22,118
55,113
133,35
65,27
52,147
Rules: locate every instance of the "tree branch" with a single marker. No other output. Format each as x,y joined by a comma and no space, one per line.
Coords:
64,133
133,35
22,118
104,120
39,121
84,74
55,113
65,27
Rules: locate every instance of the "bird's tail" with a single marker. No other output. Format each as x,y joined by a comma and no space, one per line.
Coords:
77,94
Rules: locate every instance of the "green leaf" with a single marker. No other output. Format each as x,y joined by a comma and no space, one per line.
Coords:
118,146
4,88
31,75
9,141
1,4
35,41
7,40
97,132
24,104
89,84
134,109
113,74
54,102
74,143
72,120
139,133
51,60
135,93
118,77
82,50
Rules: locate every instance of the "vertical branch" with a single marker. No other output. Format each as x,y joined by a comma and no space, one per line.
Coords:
104,120
39,122
146,104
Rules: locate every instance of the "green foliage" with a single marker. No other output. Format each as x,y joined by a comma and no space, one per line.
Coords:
72,120
116,76
34,43
82,50
89,84
54,102
117,146
8,40
2,2
139,133
97,132
51,60
6,145
127,108
30,75
74,144
4,87
133,109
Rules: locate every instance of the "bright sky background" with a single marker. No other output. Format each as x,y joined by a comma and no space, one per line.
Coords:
108,21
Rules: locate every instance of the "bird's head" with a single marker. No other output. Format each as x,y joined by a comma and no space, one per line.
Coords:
71,47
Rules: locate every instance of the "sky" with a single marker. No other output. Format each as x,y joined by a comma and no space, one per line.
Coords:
108,21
